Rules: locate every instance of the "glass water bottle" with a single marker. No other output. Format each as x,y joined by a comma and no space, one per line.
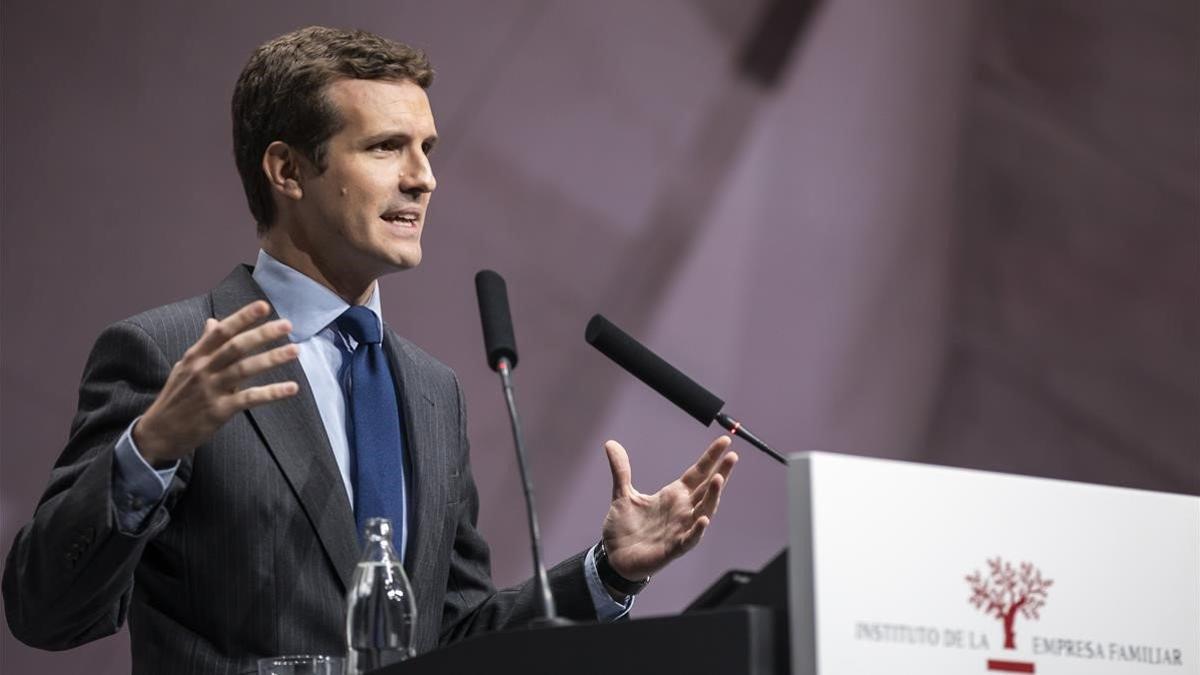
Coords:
381,614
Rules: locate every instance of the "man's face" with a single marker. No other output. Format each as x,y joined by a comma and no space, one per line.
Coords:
364,214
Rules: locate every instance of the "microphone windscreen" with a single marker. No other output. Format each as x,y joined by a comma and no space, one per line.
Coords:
648,367
498,337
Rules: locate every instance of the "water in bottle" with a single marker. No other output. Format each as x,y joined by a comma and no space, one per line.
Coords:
381,613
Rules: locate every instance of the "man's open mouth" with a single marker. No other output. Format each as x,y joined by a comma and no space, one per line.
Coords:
409,218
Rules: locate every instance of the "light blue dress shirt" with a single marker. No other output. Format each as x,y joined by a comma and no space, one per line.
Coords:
324,354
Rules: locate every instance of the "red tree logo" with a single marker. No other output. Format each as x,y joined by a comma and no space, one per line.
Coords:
1004,592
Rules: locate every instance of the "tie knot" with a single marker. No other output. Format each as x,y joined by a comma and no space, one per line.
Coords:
361,323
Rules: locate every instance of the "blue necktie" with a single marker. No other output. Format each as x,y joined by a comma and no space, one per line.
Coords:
374,430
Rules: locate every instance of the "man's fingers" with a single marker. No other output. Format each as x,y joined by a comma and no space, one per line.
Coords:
723,470
256,396
618,463
712,497
259,363
247,342
693,535
695,476
217,333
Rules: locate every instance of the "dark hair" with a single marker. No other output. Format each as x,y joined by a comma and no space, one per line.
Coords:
280,96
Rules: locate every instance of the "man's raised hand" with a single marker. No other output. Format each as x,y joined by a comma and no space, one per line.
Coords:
643,533
204,390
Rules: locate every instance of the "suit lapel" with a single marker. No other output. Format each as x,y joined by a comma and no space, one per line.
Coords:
425,458
295,436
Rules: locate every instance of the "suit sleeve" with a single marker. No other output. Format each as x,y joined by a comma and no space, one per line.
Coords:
473,605
69,574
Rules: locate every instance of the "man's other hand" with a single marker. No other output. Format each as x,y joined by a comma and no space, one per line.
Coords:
204,390
642,532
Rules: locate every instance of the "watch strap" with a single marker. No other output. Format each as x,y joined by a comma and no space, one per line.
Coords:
610,576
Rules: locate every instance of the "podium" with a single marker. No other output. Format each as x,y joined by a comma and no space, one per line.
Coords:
719,642
897,567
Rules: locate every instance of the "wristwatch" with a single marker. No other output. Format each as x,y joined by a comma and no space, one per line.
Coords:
610,576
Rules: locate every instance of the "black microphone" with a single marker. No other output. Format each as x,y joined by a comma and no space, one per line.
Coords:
502,358
498,337
664,378
648,367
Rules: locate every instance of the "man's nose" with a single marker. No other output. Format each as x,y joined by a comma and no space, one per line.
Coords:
417,176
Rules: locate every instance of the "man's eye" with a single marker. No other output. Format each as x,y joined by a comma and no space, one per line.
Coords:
385,146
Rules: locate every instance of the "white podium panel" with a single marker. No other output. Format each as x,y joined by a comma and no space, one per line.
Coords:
907,569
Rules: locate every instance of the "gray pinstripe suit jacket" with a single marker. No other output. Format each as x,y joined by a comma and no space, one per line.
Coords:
253,546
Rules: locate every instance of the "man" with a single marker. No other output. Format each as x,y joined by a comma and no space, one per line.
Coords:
228,447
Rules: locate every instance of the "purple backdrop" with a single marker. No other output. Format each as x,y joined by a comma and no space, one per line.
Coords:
951,231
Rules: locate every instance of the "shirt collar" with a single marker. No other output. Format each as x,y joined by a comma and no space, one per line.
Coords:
302,300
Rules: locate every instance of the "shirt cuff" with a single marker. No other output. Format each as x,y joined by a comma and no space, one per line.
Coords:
137,487
607,609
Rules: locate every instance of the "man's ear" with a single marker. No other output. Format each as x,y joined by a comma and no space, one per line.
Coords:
284,167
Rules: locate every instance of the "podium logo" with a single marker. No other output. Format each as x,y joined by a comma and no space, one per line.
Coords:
1014,595
1005,592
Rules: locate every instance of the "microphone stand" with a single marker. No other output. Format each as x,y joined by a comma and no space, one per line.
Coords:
735,428
541,579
